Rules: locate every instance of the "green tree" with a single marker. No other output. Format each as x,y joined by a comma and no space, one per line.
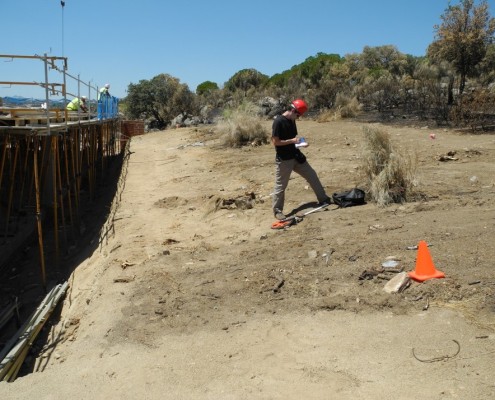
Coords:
463,37
163,98
280,79
139,100
387,58
246,79
486,68
314,68
335,81
206,87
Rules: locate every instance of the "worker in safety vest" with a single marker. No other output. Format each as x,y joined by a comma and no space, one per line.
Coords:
77,103
104,91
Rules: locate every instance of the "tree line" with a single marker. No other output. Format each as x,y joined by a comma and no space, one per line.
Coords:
452,84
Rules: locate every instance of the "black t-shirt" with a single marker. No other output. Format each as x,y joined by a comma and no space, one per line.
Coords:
285,129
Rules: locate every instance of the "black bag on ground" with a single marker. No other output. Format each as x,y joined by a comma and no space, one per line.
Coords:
353,197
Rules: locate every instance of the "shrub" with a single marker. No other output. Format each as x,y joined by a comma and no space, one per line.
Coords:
389,173
345,107
242,126
161,98
328,115
206,87
348,106
475,109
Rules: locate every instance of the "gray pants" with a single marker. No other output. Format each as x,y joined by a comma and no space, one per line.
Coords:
283,171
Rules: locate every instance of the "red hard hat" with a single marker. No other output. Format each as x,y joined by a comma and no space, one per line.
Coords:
300,106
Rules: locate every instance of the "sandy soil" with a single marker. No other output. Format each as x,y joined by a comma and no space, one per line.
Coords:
184,298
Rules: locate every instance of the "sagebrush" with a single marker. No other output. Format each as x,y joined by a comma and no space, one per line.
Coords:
345,107
242,126
390,173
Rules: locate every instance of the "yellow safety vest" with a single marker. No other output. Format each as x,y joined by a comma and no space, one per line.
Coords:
74,104
103,92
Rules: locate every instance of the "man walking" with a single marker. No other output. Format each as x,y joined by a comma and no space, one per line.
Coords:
290,158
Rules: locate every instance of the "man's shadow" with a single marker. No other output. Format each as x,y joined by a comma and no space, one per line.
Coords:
303,207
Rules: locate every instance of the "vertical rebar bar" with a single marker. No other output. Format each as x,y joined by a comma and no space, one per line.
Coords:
38,213
53,162
11,190
60,191
4,156
75,169
68,183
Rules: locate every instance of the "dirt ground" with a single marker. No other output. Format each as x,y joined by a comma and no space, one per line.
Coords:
192,295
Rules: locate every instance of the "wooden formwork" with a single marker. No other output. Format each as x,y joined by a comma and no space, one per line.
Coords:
46,173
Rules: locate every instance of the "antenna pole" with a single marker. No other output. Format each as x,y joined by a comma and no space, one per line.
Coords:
62,3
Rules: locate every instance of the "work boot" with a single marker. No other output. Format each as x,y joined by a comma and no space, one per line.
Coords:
279,215
327,201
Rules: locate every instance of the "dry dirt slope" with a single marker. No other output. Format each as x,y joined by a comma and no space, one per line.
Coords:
180,303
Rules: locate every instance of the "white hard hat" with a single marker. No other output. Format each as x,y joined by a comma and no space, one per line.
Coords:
107,85
83,97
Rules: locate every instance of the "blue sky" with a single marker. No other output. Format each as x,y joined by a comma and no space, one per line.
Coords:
122,42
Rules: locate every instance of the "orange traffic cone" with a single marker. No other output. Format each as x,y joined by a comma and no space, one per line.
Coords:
425,269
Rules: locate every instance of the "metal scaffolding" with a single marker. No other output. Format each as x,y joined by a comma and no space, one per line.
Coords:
49,158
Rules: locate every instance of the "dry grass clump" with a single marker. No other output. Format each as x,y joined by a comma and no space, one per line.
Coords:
348,106
328,115
242,126
345,107
389,173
